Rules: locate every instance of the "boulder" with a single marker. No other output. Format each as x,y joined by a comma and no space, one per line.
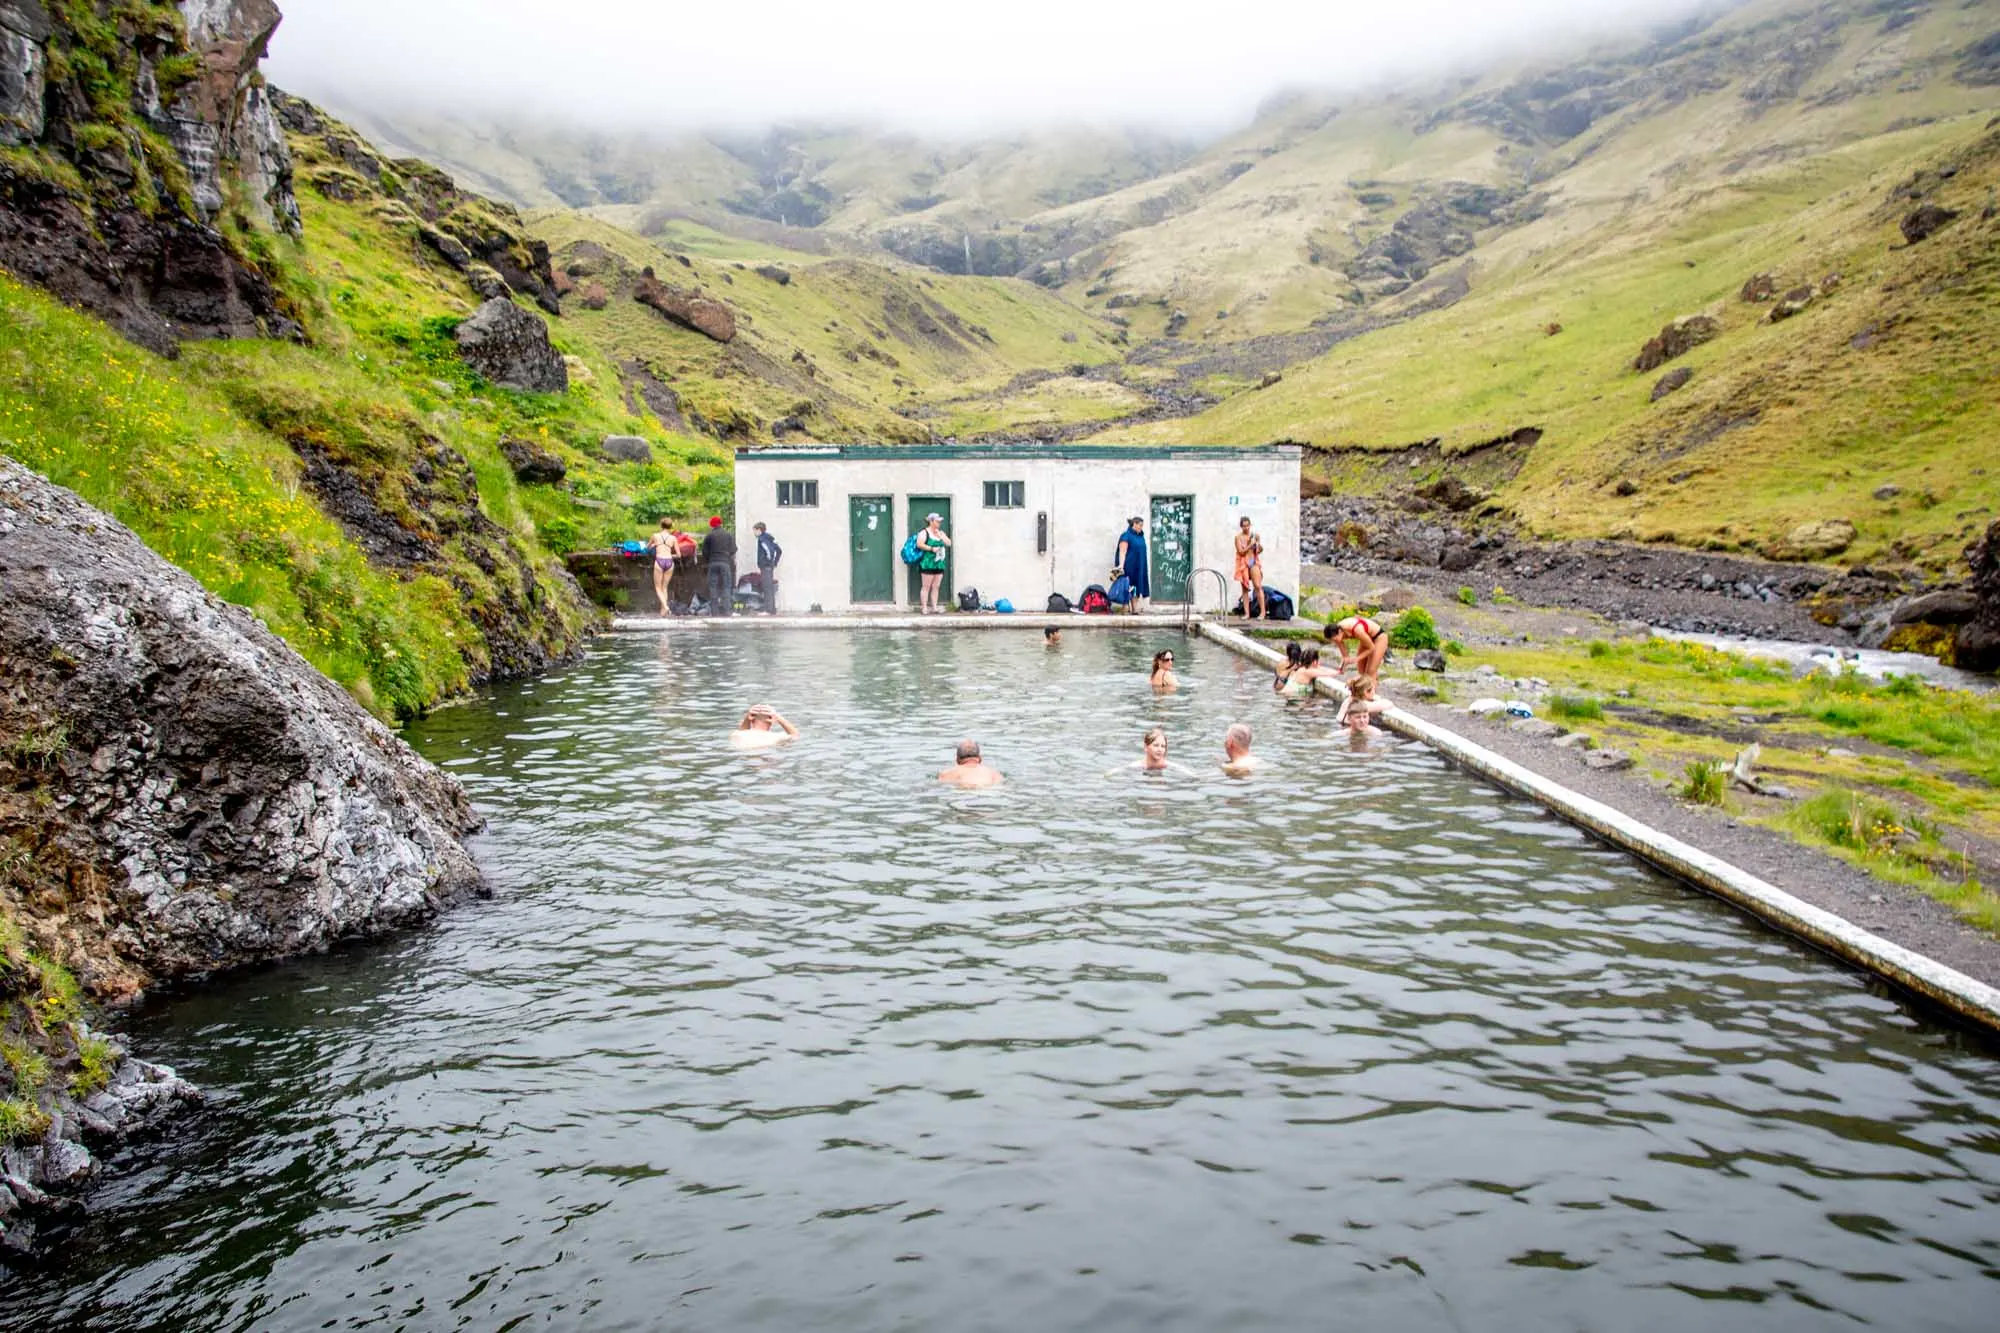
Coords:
1791,303
1818,539
626,449
778,275
510,347
1607,761
532,464
1456,558
1452,492
1676,338
1762,287
687,308
1976,646
1888,492
1429,659
1312,488
1926,221
213,800
1396,598
1667,383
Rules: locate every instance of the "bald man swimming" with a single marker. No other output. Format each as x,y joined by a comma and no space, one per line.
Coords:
971,769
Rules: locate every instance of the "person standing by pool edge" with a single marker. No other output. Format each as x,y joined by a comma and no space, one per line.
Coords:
1249,569
664,546
1367,633
933,550
769,553
718,548
970,770
1131,562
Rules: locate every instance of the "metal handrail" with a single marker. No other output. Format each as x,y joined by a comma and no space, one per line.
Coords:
1187,595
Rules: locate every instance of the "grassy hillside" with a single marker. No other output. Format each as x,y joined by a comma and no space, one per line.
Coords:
1885,380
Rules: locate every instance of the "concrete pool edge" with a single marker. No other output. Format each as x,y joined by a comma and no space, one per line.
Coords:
953,620
1963,995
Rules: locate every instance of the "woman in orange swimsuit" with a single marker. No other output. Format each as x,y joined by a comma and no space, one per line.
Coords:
1249,568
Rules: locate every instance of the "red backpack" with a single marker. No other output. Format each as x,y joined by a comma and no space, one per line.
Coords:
1095,601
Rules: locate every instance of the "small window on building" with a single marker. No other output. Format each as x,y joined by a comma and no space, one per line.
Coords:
798,495
1006,494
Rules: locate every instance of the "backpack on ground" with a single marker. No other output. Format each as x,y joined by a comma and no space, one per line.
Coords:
969,600
1095,601
1277,606
1058,604
1120,592
910,552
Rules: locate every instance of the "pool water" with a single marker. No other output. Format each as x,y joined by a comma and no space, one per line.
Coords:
800,1040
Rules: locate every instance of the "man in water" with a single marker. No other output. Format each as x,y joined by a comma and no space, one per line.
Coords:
761,728
769,553
718,548
1237,761
1051,637
970,770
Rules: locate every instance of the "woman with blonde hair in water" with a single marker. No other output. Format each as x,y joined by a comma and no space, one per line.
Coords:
1358,709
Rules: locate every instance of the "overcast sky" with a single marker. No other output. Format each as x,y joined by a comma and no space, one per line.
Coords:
920,64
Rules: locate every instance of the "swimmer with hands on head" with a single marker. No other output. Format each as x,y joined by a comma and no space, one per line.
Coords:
971,769
1358,709
762,728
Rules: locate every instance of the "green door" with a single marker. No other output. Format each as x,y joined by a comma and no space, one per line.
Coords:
1171,546
871,526
928,504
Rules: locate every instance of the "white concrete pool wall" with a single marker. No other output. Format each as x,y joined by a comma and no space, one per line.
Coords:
1084,493
1963,995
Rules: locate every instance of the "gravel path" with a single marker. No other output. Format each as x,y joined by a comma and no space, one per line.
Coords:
1892,911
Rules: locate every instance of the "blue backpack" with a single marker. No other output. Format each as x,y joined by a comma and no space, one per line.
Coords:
1121,591
910,552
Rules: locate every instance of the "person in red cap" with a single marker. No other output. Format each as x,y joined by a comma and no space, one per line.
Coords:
718,548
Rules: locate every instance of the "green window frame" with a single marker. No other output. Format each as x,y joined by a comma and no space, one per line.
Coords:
1006,495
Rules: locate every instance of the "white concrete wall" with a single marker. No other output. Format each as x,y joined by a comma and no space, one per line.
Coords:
1087,501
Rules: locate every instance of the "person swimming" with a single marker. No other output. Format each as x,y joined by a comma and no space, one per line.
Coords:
970,770
1237,761
1299,681
1358,709
1163,677
1154,760
1051,637
761,728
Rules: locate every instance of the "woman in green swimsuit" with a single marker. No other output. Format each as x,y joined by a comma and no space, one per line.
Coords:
933,548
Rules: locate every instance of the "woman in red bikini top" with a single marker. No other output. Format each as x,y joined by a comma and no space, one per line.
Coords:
1366,633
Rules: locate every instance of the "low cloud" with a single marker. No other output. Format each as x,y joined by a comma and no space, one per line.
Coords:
934,66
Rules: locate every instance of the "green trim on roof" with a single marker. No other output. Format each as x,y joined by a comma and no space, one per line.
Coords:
752,453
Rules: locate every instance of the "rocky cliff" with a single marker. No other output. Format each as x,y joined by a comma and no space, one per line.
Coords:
139,158
180,792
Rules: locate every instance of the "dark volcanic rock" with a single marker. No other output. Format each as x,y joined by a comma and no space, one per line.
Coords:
212,798
778,275
1927,221
1976,647
511,348
626,449
1666,384
1762,287
1452,492
532,464
1791,303
1677,337
688,309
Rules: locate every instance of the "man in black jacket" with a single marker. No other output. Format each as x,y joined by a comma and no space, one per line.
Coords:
718,549
769,553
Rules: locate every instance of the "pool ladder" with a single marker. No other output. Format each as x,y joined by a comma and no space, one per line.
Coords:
1187,596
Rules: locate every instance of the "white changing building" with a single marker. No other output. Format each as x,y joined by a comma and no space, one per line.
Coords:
1025,520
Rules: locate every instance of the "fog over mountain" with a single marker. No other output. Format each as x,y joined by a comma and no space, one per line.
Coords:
1186,67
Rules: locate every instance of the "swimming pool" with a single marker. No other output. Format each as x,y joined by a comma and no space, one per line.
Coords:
800,1040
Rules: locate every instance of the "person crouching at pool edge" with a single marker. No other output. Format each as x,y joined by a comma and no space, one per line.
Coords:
1371,644
761,728
1163,677
971,769
1237,761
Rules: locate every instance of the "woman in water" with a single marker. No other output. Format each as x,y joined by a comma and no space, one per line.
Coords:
1371,644
1358,709
1294,655
933,550
664,546
1163,671
1298,682
1249,568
